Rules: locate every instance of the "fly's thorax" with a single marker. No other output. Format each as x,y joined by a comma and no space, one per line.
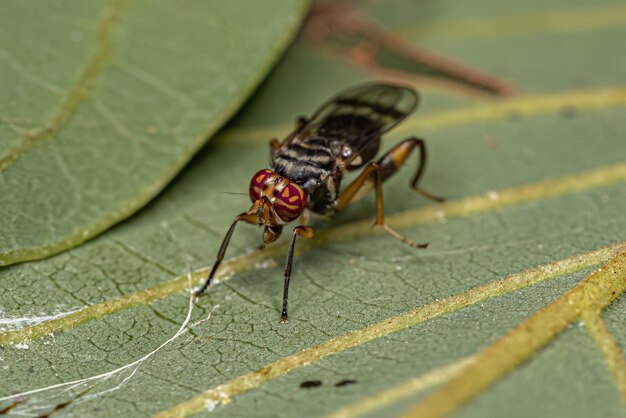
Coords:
323,193
287,199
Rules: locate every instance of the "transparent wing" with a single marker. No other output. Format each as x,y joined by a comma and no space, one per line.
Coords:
365,110
356,118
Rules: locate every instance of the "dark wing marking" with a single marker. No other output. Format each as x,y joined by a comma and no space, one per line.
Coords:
357,116
385,105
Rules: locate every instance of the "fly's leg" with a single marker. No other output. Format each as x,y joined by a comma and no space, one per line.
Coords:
392,161
396,157
301,122
304,232
303,220
372,176
246,217
274,145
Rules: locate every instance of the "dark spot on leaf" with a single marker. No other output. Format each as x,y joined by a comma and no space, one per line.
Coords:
197,342
308,384
31,369
345,382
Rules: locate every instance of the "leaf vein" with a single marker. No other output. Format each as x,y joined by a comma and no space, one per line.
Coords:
613,353
222,393
593,294
79,92
355,230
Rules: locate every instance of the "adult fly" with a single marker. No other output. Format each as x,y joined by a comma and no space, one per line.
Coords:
308,166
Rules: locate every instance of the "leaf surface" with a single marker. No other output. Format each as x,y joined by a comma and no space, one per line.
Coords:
105,102
537,201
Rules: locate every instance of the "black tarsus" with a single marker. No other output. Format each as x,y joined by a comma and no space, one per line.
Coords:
421,145
421,165
292,244
220,256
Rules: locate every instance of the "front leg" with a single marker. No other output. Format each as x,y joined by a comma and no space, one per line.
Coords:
248,217
304,232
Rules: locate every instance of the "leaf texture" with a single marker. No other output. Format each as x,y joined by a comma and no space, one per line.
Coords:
105,102
536,188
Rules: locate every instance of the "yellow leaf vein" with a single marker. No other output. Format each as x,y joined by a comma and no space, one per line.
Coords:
224,392
352,231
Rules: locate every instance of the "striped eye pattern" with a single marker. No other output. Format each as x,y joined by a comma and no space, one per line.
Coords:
257,182
290,202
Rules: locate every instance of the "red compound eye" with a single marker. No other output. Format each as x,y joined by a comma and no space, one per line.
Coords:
257,182
290,202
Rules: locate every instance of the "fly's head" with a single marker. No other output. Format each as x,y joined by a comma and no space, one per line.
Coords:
276,200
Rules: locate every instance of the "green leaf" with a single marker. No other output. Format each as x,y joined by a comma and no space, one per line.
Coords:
106,101
537,202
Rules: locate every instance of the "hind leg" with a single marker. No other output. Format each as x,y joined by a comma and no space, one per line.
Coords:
371,176
391,162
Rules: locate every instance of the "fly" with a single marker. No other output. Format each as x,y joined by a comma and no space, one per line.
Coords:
308,166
